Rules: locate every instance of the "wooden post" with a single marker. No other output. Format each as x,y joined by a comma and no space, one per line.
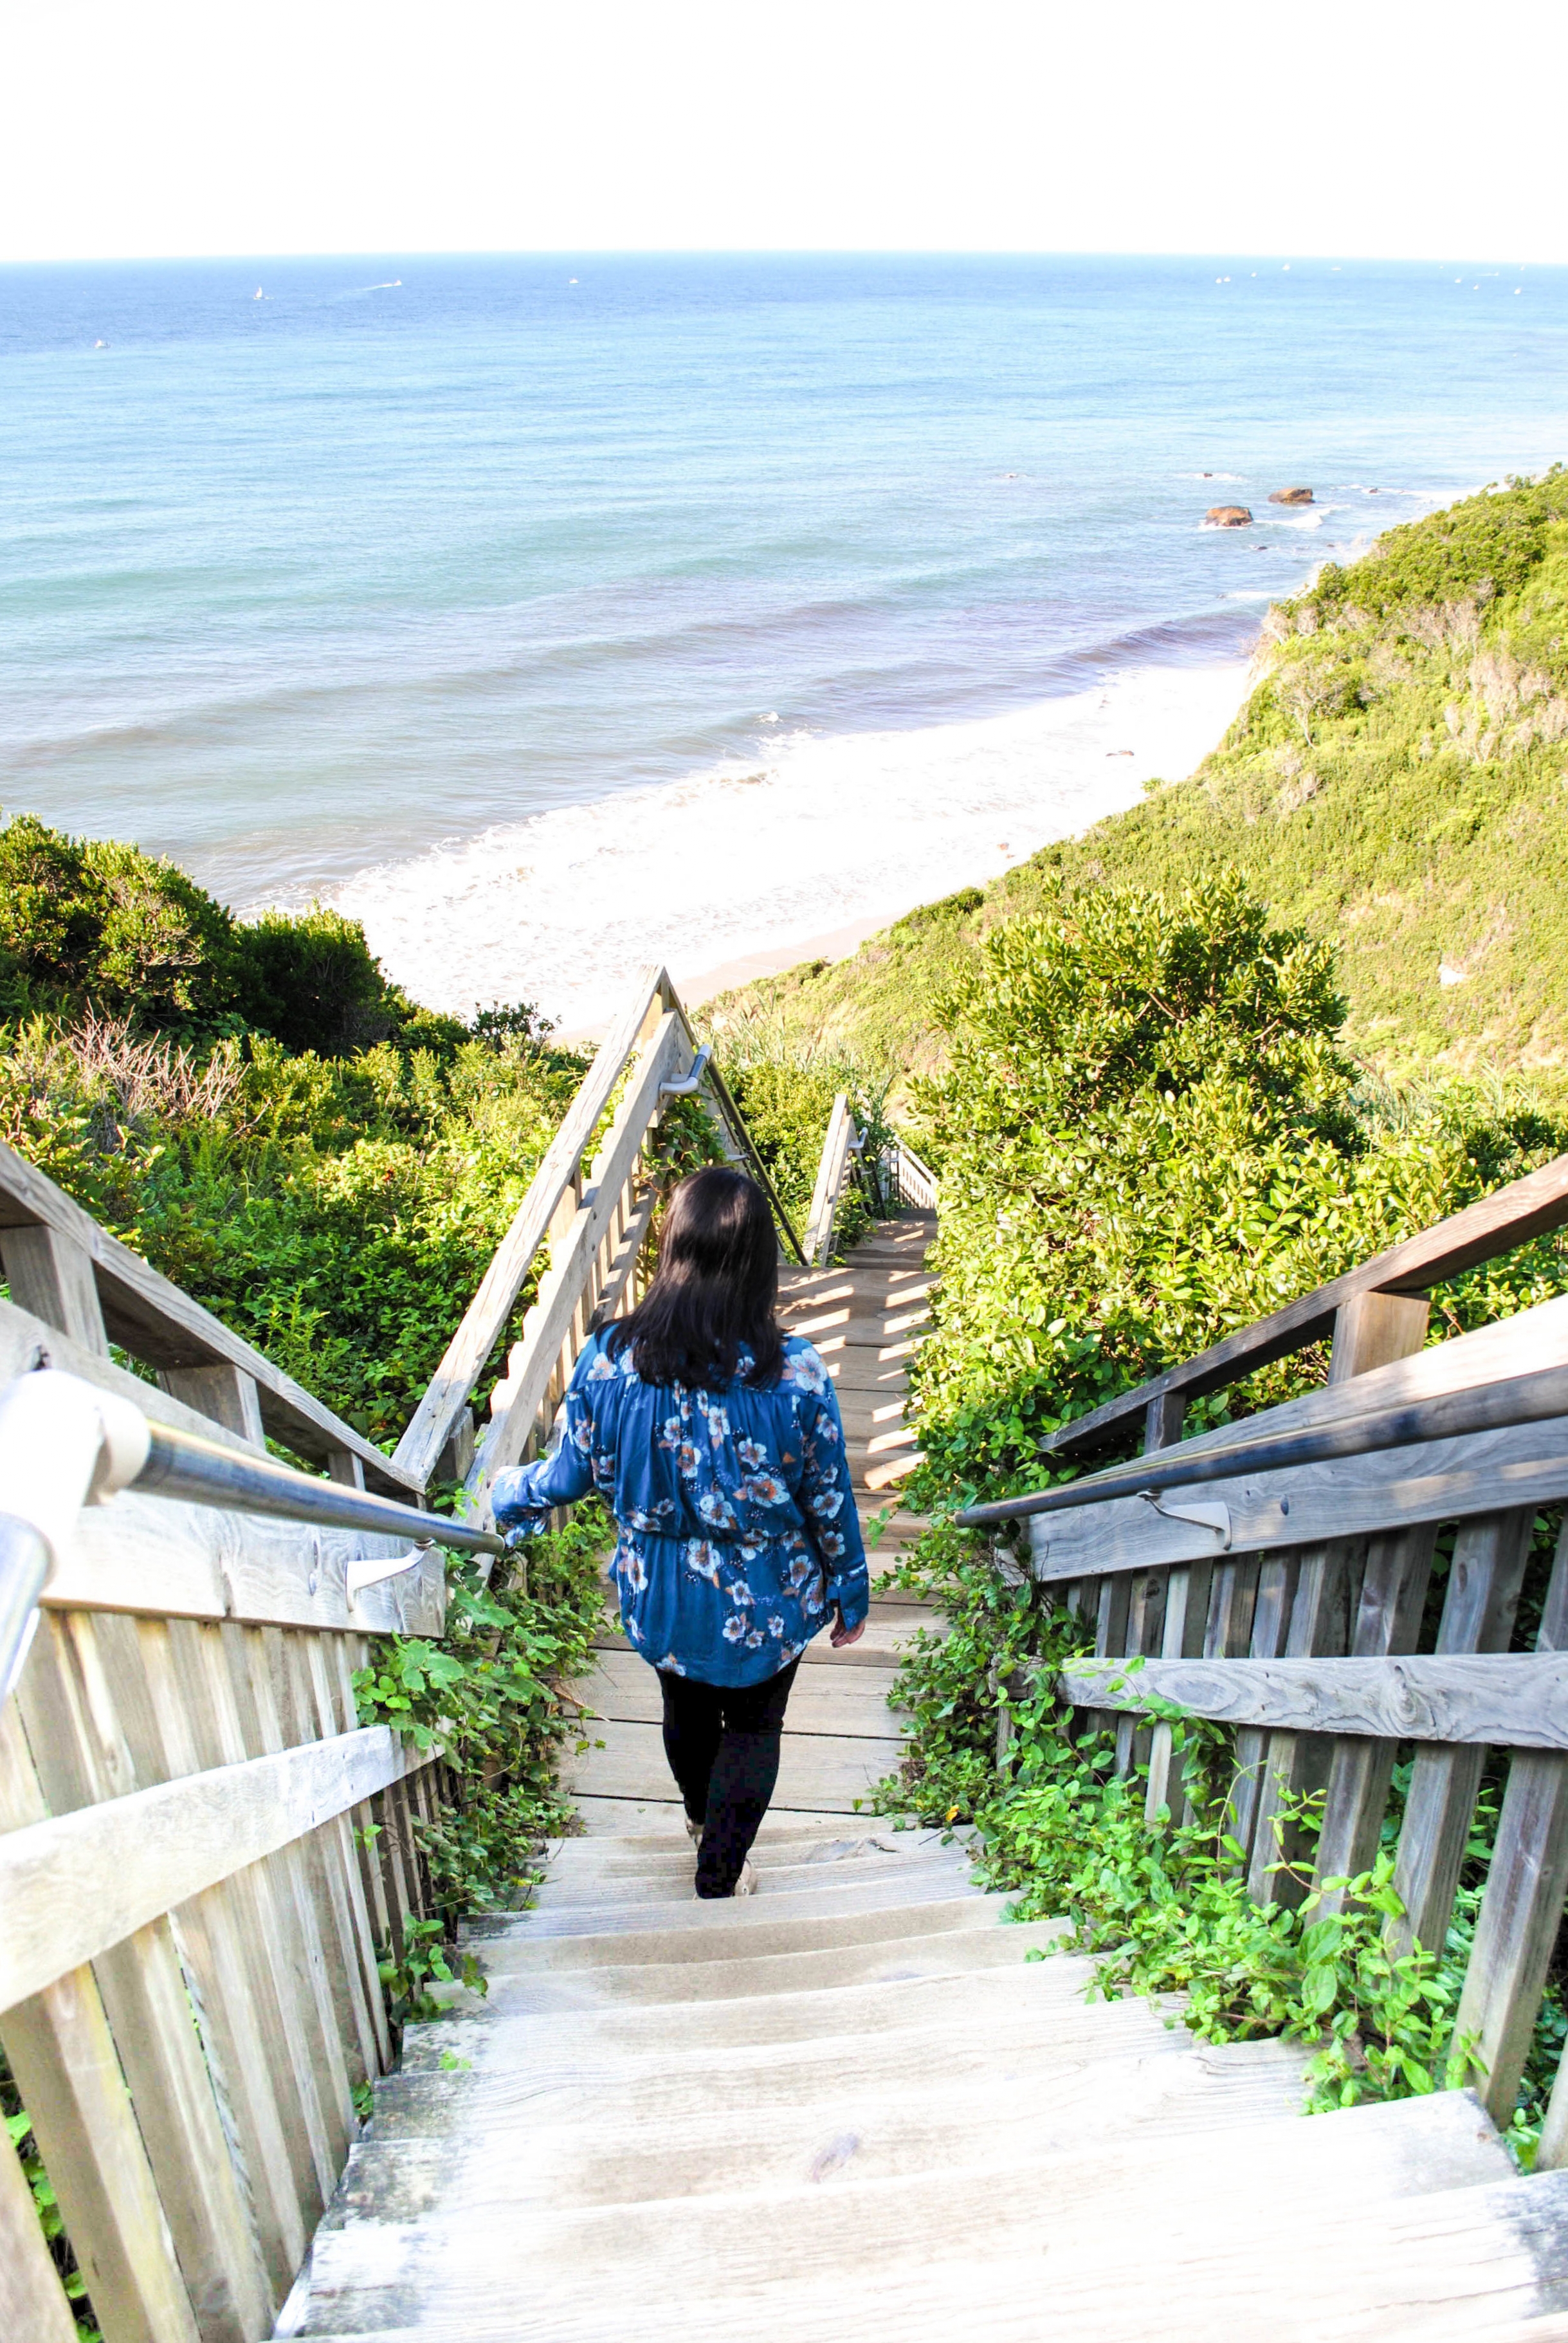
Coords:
51,1276
227,1395
1372,1329
1484,1582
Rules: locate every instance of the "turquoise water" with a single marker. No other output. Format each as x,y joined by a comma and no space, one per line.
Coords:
431,583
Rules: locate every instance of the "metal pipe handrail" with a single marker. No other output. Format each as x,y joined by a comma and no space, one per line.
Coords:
180,1464
1488,1407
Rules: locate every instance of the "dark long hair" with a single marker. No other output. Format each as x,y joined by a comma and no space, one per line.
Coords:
716,1287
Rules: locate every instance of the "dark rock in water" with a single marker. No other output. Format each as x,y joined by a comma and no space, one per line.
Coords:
1291,497
1228,517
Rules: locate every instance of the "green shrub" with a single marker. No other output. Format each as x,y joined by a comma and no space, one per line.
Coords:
1147,1135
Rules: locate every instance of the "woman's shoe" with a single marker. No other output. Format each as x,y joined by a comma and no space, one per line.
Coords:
744,1886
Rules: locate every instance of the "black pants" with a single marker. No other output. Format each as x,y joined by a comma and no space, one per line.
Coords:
722,1744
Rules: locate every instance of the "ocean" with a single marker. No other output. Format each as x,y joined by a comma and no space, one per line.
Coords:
553,614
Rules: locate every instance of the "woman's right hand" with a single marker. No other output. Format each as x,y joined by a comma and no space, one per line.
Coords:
840,1635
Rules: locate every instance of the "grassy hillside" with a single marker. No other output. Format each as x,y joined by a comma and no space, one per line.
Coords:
1397,783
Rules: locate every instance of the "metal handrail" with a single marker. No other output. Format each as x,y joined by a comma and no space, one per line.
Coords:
1490,1407
198,1472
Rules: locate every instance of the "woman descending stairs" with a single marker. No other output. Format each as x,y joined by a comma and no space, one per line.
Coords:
857,2104
839,1735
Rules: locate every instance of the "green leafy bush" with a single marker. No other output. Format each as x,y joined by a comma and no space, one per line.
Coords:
1147,1135
1393,785
1164,1910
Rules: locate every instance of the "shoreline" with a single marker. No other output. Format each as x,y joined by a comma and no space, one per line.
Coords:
838,943
747,868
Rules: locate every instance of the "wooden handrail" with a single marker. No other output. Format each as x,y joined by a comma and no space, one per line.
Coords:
1495,1224
542,1217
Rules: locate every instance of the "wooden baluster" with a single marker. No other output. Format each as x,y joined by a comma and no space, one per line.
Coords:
82,1757
1110,1639
1388,1619
1270,1620
1145,1635
341,1654
1186,1612
1484,1582
1180,1615
33,2305
258,1651
277,1958
63,2056
1297,1763
1525,1885
222,1933
370,2010
329,1864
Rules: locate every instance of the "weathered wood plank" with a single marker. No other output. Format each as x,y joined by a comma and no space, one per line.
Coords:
1507,1700
62,2054
1527,1881
33,2305
1496,1224
1523,1465
1388,1619
1485,1578
155,1321
82,1757
550,1319
463,1361
79,1883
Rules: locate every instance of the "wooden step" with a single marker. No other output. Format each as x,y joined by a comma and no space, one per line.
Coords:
821,1771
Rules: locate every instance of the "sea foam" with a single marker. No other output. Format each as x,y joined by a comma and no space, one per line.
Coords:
770,853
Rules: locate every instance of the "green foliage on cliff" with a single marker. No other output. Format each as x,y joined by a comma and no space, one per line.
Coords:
326,1165
1149,1133
1396,784
95,923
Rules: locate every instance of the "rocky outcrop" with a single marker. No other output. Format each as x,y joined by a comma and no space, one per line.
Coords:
1291,497
1228,517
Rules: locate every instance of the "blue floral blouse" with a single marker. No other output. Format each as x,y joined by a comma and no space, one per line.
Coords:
738,1525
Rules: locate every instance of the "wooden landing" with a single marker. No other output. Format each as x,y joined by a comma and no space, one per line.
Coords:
867,1319
852,2104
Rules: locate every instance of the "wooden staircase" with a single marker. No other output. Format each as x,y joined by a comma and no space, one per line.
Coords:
857,2104
860,2104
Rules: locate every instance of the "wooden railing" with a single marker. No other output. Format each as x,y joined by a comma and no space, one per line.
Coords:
1286,1600
588,1233
841,1145
204,1859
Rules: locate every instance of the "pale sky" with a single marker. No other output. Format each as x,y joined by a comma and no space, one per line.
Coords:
132,128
